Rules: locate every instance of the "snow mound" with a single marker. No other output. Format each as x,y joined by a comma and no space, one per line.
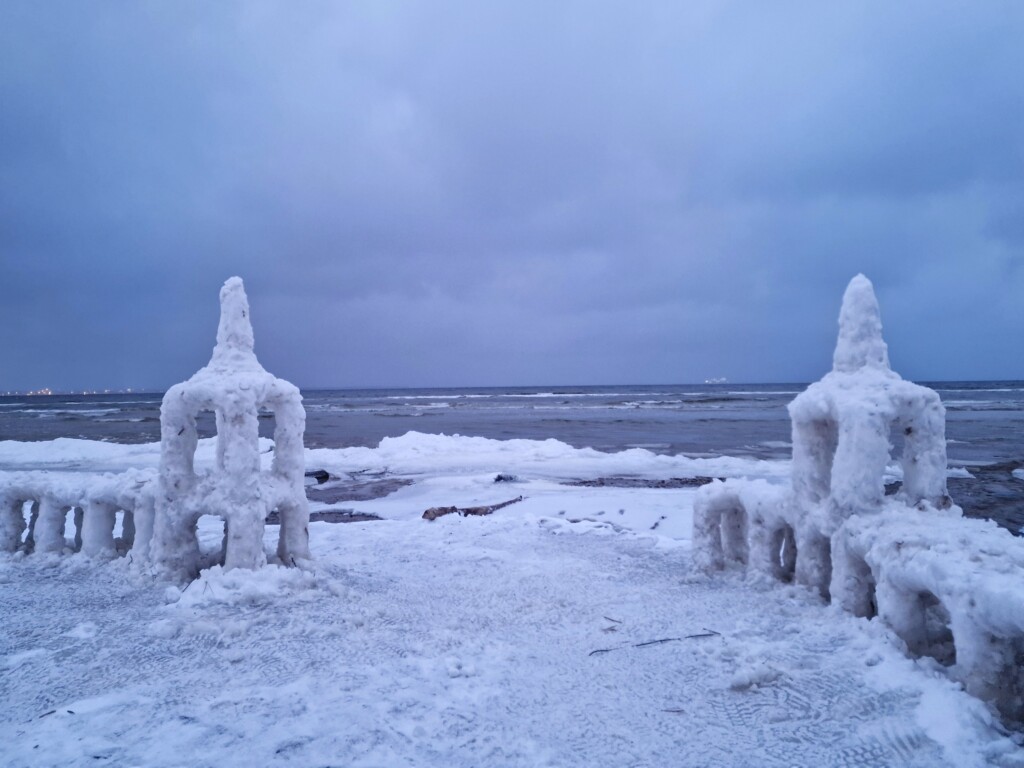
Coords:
416,453
217,586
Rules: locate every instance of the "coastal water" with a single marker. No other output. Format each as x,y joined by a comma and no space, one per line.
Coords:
985,423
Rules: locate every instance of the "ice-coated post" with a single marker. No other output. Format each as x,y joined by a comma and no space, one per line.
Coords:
289,472
12,523
49,528
924,453
98,529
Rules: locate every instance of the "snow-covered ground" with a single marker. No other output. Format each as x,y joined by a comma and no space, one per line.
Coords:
564,630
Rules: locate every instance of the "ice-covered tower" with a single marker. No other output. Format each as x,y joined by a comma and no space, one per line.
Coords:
235,387
842,426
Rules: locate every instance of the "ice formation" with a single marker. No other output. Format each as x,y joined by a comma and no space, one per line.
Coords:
94,501
948,587
160,510
235,387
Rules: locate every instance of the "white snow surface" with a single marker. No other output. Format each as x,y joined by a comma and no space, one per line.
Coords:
465,641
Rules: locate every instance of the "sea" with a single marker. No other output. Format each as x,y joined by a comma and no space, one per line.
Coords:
984,423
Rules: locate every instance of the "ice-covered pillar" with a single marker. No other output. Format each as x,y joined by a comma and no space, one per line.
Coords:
49,528
98,528
289,473
858,469
12,523
238,453
924,451
142,525
719,528
815,437
238,460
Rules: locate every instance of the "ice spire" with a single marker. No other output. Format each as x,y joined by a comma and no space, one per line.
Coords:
234,347
860,342
234,330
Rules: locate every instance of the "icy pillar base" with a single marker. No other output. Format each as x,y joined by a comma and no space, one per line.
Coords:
245,539
12,524
49,528
98,529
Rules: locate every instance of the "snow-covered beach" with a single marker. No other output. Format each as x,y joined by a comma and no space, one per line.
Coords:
466,640
506,602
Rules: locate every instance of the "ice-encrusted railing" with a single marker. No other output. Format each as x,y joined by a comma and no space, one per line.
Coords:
161,510
948,587
94,501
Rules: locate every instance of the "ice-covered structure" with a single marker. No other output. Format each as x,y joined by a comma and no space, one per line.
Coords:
235,387
93,500
948,587
842,427
160,510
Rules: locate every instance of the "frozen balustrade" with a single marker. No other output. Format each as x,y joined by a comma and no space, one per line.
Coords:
236,388
94,500
948,587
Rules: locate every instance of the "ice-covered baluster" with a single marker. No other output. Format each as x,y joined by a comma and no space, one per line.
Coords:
98,529
49,528
12,523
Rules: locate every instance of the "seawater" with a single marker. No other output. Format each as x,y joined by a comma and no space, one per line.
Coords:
984,427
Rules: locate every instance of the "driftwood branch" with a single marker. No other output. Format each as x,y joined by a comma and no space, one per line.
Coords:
706,633
435,512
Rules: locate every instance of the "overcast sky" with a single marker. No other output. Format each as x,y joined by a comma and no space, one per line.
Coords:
431,194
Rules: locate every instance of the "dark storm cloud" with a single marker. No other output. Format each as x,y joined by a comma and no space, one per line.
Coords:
525,193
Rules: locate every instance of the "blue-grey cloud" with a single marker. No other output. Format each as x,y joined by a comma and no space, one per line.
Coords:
466,193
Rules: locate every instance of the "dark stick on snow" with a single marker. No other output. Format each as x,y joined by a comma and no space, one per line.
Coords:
657,642
706,633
